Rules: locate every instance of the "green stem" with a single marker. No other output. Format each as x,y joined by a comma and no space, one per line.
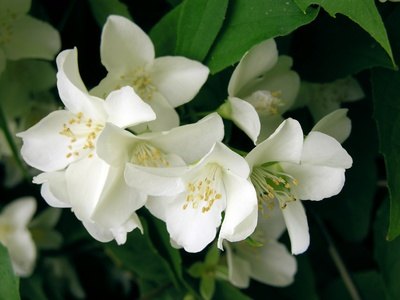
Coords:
13,146
338,261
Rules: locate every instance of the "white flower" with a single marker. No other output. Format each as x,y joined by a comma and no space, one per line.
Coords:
15,236
336,124
323,98
288,167
165,82
268,261
193,206
65,136
94,190
262,87
22,36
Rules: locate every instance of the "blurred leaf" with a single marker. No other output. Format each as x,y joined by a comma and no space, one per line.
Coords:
197,269
207,287
224,290
9,283
212,256
387,253
198,26
363,12
249,22
140,256
370,286
46,238
101,9
329,49
386,93
47,218
174,2
164,33
303,286
32,288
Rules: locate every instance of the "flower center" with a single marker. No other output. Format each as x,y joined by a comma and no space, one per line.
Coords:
82,133
141,82
205,188
145,154
270,184
266,102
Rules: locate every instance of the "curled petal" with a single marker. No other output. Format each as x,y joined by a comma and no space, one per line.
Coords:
285,144
297,225
125,108
241,209
336,124
124,46
54,188
257,61
244,115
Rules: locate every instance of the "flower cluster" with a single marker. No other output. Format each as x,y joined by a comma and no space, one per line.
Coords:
121,146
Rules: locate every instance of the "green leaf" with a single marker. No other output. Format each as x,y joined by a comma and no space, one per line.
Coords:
140,256
101,9
362,12
386,93
335,48
164,33
212,256
387,253
224,290
369,284
198,26
9,283
249,22
207,287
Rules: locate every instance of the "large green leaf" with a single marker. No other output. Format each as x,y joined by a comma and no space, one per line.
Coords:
198,26
329,49
9,283
363,12
140,256
249,22
386,93
225,291
101,9
387,254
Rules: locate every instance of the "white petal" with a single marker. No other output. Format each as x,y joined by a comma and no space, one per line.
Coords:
85,183
118,201
125,108
44,148
124,46
158,206
178,79
321,149
73,92
114,145
241,209
285,144
166,116
148,181
191,228
32,38
281,80
19,212
272,264
192,141
315,182
245,116
120,233
239,269
297,225
22,252
271,222
227,159
54,188
98,232
257,61
336,124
